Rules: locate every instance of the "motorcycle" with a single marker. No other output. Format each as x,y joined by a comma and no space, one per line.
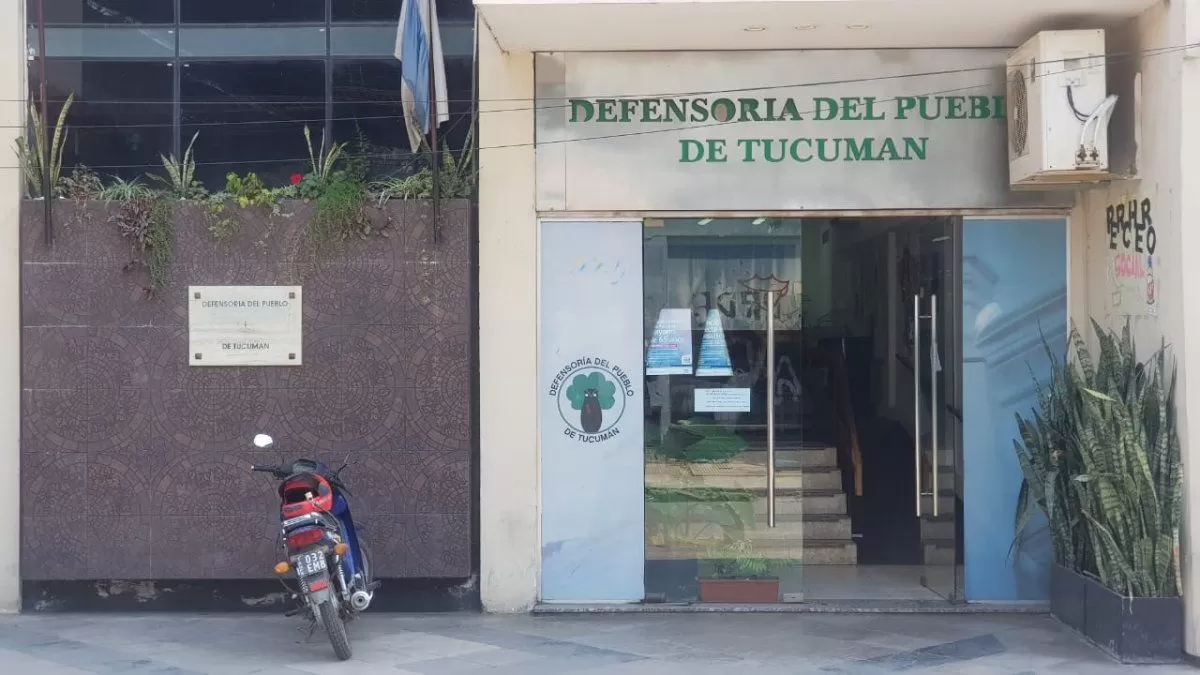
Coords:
321,546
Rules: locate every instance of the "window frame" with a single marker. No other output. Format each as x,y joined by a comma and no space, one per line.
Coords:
178,58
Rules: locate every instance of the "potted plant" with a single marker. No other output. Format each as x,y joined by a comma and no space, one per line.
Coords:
1049,459
1111,492
739,575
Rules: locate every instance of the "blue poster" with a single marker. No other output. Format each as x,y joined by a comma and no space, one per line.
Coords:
670,350
714,353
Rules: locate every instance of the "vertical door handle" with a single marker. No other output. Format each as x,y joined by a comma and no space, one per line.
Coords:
770,409
934,366
916,359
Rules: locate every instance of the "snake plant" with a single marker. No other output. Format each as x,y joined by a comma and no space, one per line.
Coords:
1101,460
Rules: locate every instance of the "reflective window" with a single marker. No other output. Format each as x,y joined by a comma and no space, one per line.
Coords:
367,112
121,118
102,11
389,10
252,11
251,116
105,42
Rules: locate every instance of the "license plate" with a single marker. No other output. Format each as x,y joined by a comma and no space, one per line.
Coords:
308,564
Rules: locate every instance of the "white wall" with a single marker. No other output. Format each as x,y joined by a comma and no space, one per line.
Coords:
509,524
1168,174
508,285
12,94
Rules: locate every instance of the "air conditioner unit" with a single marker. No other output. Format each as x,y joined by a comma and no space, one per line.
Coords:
1058,110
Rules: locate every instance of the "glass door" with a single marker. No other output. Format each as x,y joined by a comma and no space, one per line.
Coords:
936,404
726,415
778,445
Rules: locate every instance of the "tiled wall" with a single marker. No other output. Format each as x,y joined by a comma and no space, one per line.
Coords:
135,465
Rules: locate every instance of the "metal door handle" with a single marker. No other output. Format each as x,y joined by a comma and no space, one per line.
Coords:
934,361
770,409
917,394
933,395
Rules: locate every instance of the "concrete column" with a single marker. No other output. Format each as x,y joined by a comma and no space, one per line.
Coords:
510,529
12,96
1187,341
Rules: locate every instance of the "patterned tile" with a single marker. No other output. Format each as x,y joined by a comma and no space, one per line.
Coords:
136,463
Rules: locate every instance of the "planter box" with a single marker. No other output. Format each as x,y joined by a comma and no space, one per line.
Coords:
1134,630
1068,597
739,591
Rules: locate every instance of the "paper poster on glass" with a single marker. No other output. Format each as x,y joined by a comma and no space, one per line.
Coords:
670,350
714,352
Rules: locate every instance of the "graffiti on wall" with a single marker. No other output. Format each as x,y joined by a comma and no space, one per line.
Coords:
1132,257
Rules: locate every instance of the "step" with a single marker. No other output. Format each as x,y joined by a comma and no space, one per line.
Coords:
816,457
789,529
739,476
941,527
812,552
812,502
829,527
939,552
945,504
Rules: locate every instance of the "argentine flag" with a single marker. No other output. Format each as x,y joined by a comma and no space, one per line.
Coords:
413,51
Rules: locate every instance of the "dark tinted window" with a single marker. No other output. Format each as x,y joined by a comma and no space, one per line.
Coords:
367,112
251,11
102,11
121,118
389,10
251,117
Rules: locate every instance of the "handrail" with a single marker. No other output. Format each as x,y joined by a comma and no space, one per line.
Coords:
844,407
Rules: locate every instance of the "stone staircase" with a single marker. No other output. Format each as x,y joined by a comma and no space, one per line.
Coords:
937,532
812,524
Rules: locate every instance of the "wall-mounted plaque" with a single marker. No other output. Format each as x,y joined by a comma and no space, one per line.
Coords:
244,325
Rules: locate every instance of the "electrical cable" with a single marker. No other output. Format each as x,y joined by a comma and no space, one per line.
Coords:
1115,56
314,103
1158,51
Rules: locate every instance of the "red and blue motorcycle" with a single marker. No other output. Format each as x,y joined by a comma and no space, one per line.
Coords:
323,552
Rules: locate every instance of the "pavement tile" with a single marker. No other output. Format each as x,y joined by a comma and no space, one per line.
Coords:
474,644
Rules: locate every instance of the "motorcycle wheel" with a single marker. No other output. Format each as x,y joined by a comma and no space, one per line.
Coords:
332,620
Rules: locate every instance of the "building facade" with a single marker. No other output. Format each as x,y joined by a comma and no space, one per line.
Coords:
785,234
129,466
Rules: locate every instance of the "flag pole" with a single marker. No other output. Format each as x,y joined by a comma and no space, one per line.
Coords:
433,126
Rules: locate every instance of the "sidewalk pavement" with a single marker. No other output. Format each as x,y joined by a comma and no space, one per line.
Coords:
620,644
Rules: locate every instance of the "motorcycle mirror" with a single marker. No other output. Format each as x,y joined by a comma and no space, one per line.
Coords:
263,441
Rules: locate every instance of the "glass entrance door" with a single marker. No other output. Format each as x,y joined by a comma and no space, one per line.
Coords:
727,468
781,466
936,399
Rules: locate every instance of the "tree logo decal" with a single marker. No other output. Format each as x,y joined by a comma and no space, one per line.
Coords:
591,395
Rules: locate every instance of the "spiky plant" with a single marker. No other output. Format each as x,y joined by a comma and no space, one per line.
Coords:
456,177
1101,460
324,160
121,190
1130,490
1049,459
180,180
36,158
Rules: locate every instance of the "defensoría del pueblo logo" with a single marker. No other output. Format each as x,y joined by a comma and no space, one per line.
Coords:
591,395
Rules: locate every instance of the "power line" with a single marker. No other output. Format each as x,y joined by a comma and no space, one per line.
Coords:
644,132
322,120
1113,57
